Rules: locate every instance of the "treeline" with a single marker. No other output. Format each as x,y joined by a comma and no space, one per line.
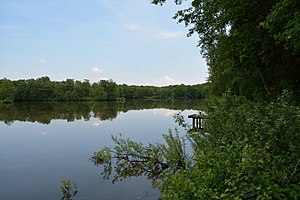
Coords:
252,48
43,89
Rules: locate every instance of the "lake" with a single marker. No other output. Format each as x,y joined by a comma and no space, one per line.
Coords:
44,143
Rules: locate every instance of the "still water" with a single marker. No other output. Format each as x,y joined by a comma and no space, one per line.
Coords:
44,143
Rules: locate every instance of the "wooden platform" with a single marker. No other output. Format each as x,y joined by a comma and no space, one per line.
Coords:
197,120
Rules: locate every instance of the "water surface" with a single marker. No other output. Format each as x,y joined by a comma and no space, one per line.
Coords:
43,143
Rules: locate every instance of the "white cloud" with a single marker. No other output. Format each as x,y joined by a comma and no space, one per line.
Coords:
131,27
166,80
43,61
96,70
170,34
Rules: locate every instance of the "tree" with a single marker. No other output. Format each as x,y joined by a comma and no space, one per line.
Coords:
98,92
22,90
45,88
110,88
35,90
68,89
82,90
7,90
251,47
283,23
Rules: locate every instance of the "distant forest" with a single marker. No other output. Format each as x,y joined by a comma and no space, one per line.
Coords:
43,89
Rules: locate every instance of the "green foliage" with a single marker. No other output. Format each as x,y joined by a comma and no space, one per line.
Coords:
68,189
111,89
252,48
42,89
283,23
231,171
247,150
7,91
252,151
135,159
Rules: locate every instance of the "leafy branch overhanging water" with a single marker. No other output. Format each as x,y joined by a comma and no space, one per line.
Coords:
246,150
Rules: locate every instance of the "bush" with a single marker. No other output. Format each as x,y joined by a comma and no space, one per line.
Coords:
247,150
252,151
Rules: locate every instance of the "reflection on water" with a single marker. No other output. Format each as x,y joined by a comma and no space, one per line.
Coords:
130,158
38,147
44,112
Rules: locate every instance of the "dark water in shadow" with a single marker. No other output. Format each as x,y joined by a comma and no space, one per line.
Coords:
43,143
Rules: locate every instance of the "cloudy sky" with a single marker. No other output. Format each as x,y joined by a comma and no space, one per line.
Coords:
129,41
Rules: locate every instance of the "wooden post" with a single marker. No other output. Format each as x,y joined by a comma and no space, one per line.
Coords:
197,120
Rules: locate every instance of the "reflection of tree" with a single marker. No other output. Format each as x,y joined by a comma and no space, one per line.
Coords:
44,112
134,159
106,110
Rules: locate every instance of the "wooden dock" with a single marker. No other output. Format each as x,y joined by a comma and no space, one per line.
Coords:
197,120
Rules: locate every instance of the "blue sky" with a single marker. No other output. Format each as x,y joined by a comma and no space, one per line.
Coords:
129,41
